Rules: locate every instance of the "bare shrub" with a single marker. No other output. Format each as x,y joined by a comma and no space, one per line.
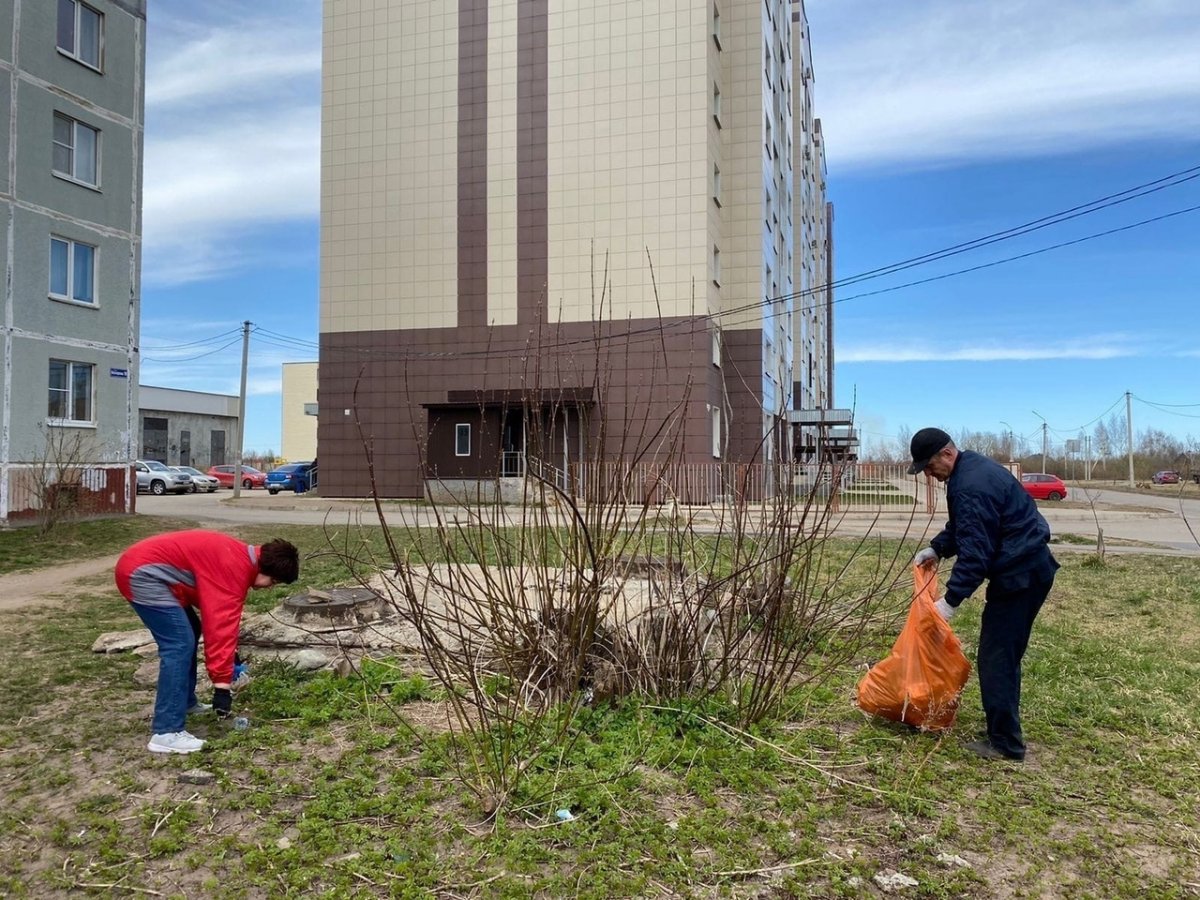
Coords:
599,585
58,476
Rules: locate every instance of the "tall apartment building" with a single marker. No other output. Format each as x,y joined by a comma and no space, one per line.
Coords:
558,229
71,120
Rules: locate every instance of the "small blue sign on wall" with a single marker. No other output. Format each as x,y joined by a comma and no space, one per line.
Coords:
119,373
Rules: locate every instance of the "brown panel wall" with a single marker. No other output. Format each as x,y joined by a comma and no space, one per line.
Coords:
484,459
532,172
472,161
641,376
742,361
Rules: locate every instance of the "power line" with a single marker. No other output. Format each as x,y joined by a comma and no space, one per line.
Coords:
208,340
1170,412
1008,259
650,332
1175,179
170,359
1086,424
1155,403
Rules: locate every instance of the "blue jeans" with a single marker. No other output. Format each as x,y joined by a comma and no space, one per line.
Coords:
176,630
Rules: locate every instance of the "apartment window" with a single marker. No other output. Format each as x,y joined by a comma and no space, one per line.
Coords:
716,266
716,105
462,440
716,184
72,271
76,149
716,347
716,432
80,32
70,392
716,26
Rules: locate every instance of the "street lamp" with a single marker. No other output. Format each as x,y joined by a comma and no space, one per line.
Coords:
1045,427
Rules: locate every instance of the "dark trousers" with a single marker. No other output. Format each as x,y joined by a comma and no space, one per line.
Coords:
1007,621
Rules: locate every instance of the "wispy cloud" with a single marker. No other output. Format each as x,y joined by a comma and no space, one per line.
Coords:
1094,347
930,82
232,133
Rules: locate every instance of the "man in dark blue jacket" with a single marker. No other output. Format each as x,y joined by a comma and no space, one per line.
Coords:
996,533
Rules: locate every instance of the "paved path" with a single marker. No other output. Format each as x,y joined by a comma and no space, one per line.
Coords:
1157,520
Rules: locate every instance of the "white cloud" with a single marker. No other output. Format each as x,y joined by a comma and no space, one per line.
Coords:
922,83
1093,347
232,134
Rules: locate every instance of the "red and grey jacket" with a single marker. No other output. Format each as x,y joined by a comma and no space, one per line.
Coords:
203,569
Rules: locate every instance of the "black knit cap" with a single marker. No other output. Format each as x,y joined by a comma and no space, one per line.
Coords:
924,447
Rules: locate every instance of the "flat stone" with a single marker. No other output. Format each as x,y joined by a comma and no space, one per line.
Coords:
894,881
197,776
121,641
307,660
147,673
953,860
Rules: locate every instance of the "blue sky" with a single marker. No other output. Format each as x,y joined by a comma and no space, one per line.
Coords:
944,122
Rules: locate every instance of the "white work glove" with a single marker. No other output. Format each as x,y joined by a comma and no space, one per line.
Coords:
925,557
944,609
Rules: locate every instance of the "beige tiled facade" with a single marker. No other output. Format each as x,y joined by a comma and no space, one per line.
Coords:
494,168
299,426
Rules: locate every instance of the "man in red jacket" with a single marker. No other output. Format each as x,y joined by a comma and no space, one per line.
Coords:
184,584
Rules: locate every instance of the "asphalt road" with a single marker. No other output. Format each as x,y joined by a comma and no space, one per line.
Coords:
1160,520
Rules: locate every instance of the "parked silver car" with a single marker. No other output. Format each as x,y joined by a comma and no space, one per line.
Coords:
200,481
158,478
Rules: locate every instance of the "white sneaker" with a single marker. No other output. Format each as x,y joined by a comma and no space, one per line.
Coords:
174,742
196,708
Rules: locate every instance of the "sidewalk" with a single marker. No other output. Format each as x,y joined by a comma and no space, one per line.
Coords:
1163,528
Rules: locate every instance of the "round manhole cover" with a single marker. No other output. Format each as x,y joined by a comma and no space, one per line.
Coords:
335,604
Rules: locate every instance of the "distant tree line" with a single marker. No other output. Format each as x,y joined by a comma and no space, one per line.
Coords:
1106,444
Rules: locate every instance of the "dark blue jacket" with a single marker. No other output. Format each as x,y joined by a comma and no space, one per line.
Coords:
995,531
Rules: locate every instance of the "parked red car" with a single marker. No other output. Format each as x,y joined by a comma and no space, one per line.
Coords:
1044,487
251,478
1166,477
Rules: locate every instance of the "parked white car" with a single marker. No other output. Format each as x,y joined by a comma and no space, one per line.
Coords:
200,481
158,478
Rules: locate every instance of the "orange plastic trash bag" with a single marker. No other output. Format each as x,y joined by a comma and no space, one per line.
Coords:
921,680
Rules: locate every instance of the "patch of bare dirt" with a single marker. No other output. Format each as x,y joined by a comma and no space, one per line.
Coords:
48,586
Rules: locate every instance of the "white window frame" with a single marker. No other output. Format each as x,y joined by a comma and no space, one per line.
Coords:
462,429
716,184
716,432
716,347
73,175
70,295
716,265
69,391
716,104
73,52
716,26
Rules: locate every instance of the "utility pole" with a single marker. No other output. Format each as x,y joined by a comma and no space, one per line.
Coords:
1087,465
241,429
1129,432
1045,427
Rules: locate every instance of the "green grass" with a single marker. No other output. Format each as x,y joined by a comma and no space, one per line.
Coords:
326,795
24,548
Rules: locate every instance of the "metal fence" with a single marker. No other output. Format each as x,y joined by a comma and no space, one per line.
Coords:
82,491
869,487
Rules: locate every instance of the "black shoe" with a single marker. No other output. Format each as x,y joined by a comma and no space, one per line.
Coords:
985,749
